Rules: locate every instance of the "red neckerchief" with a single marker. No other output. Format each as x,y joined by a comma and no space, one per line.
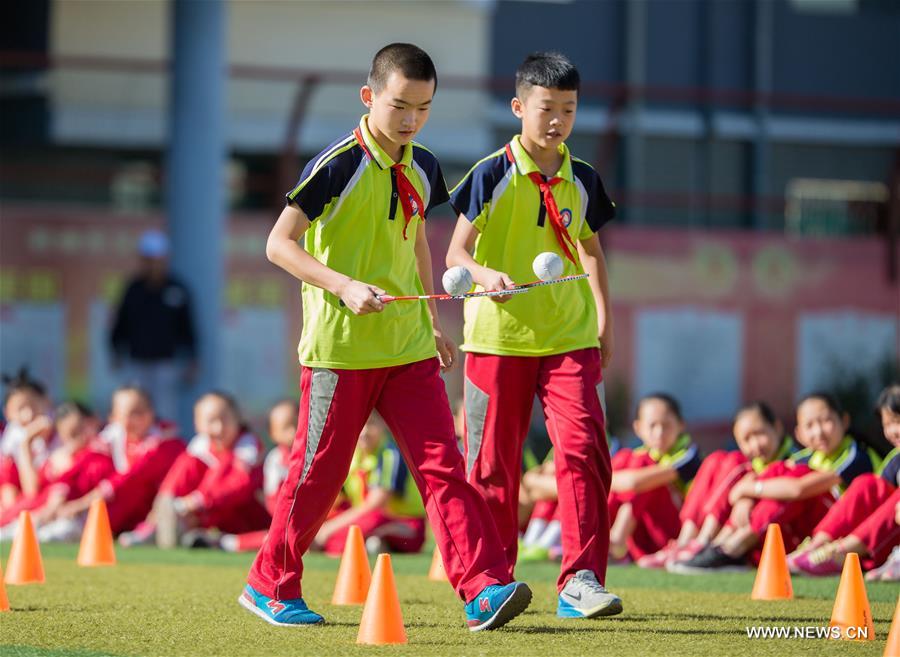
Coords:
410,201
562,235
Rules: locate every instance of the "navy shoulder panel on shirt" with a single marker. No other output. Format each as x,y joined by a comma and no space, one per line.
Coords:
890,471
856,464
326,175
427,161
689,464
475,190
600,209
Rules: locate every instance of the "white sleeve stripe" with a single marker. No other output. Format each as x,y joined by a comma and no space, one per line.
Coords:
323,220
331,151
582,192
688,455
426,185
848,460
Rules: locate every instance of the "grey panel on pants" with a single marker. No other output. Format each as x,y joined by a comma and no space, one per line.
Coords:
321,393
601,394
476,412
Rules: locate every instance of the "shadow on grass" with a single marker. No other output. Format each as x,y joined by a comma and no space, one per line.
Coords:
813,620
642,618
599,627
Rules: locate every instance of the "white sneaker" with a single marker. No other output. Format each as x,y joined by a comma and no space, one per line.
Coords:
584,597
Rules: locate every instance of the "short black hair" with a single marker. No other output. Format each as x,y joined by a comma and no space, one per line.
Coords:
551,70
826,398
22,381
286,401
760,407
670,402
228,399
73,407
413,62
137,389
889,399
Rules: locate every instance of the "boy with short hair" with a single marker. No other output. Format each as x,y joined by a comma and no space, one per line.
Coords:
361,207
529,197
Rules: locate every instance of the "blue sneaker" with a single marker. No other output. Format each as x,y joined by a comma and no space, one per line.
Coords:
287,613
496,605
584,597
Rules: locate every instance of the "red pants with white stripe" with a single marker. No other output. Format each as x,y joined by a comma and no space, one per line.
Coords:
796,518
708,495
867,510
334,406
399,534
655,510
500,391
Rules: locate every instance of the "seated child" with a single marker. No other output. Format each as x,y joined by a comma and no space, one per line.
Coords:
27,412
795,493
216,482
384,500
282,430
648,483
142,453
761,442
71,469
865,519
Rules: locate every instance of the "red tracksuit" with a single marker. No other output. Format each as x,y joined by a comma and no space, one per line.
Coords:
719,472
655,510
129,494
867,510
86,469
11,438
796,518
334,407
228,481
9,472
500,391
708,495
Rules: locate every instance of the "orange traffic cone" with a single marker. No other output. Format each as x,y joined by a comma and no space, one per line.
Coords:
437,573
382,621
892,649
773,579
4,601
96,540
353,578
851,605
25,565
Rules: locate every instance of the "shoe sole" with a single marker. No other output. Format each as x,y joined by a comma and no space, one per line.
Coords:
253,609
614,608
514,605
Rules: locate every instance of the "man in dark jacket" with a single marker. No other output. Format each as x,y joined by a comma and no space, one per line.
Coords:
153,336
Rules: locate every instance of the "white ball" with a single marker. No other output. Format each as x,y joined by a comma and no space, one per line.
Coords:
547,266
457,280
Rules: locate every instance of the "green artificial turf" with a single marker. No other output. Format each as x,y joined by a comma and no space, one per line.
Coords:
184,603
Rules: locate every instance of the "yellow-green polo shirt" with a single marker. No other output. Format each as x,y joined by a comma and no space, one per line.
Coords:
349,194
507,209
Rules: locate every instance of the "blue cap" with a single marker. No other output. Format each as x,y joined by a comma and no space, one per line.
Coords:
153,244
